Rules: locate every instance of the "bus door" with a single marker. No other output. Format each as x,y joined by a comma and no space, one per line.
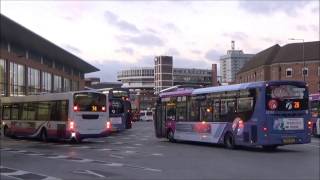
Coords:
159,120
287,110
90,113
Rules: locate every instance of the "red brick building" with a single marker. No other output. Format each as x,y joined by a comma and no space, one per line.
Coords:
296,61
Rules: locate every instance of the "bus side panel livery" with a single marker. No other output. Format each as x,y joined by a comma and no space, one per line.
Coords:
73,115
315,113
267,114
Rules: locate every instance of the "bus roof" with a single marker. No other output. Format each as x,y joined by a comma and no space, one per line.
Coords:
177,92
41,97
315,97
236,87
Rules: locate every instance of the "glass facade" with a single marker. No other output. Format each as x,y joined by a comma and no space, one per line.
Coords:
2,77
66,85
75,85
17,85
33,81
46,82
57,83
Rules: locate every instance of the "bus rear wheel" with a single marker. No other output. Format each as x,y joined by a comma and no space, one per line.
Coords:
170,136
229,141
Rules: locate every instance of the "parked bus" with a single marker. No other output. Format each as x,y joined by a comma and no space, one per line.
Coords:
119,108
73,116
315,113
267,114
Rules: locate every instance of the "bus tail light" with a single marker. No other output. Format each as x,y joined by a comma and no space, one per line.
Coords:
310,124
103,108
108,125
71,125
265,129
75,108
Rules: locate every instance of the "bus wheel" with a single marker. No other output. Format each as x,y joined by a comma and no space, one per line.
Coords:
6,131
170,136
76,140
229,141
44,135
270,147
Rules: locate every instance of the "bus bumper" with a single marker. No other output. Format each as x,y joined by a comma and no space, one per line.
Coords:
285,139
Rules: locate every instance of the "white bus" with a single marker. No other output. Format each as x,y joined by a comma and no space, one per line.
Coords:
72,116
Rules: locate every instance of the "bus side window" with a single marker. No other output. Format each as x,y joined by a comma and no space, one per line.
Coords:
31,111
193,110
171,111
24,114
63,110
181,111
6,112
216,110
15,112
44,111
53,111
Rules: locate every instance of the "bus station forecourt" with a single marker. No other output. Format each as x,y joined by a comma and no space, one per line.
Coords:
202,123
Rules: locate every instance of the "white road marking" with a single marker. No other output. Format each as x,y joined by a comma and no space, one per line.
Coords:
114,164
116,156
138,144
157,154
95,174
312,145
82,160
82,147
117,143
130,152
58,157
105,149
130,147
21,172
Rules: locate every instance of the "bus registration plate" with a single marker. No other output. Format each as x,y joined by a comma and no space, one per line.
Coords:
116,120
289,140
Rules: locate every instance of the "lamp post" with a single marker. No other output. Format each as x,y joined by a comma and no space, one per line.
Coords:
304,63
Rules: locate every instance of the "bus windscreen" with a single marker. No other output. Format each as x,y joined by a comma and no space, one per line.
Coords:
116,106
88,101
286,98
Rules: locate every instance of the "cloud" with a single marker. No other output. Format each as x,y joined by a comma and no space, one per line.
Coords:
172,27
113,19
172,52
146,61
212,55
314,28
142,40
182,62
195,51
301,28
236,35
126,50
269,7
71,48
315,10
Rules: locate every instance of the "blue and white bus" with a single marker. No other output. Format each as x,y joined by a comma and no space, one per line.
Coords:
72,116
267,114
315,113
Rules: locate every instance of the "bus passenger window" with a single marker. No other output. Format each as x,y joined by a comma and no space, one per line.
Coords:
171,111
181,111
44,111
6,112
15,112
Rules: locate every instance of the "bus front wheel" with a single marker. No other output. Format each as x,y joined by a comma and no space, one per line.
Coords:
229,141
171,136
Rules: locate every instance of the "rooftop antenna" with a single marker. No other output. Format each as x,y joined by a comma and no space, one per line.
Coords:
232,44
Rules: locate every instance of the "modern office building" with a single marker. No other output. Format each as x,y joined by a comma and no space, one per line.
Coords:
296,61
231,63
30,64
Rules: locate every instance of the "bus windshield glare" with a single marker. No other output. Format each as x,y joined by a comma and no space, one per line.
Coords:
88,101
286,98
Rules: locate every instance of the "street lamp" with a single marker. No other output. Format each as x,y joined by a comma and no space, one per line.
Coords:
304,63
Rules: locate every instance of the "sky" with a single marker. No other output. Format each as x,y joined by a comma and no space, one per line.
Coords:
117,35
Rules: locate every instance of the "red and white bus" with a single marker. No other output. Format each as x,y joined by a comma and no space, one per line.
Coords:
72,116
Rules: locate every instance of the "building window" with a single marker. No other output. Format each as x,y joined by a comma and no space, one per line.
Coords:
16,79
75,85
33,81
46,82
66,85
305,71
289,72
57,83
2,77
